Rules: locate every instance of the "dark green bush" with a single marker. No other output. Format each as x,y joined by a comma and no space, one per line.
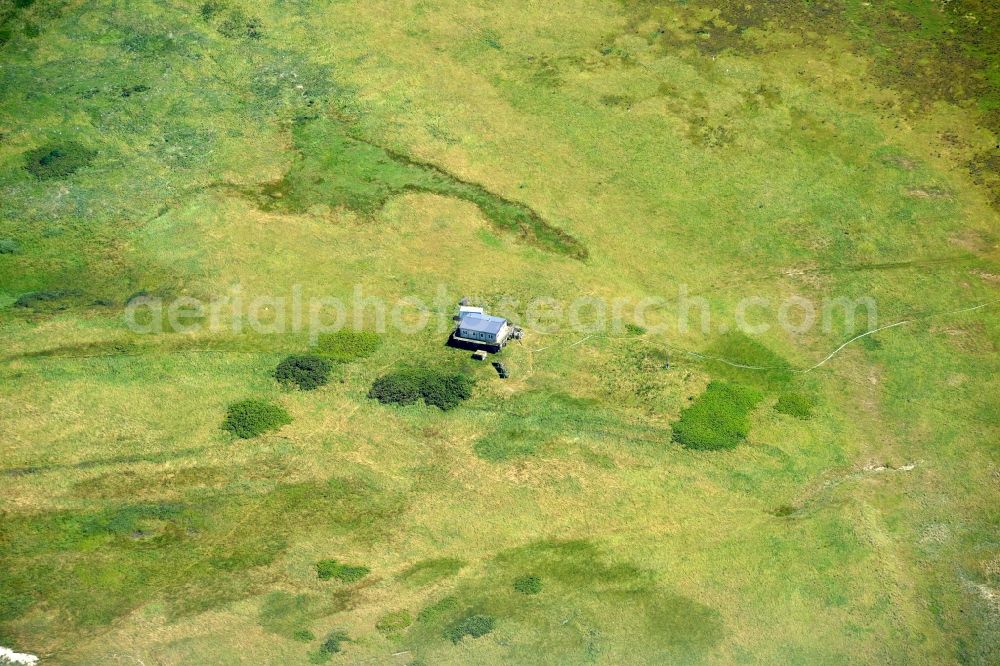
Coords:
794,404
333,640
405,387
472,625
60,161
9,246
718,418
345,573
348,344
211,9
306,372
528,584
250,418
394,621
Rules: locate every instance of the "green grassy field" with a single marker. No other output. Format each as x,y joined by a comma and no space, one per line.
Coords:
596,507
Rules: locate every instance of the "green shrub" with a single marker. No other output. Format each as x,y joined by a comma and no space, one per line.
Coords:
345,573
438,389
60,161
472,625
333,640
9,246
348,344
528,584
717,419
250,418
395,621
306,372
303,635
211,9
795,404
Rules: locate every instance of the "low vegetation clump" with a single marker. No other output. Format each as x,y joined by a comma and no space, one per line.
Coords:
438,389
50,161
795,404
471,625
304,371
717,419
9,246
55,298
333,642
250,418
438,610
528,584
394,621
345,573
348,345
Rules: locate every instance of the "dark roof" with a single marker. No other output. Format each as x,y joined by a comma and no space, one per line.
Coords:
482,323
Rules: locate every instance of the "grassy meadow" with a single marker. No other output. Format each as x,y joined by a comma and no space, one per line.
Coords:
625,496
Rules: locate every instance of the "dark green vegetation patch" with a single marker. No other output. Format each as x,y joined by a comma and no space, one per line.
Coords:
340,170
718,418
9,246
58,161
528,584
439,389
306,372
348,345
473,626
795,404
332,644
250,418
345,573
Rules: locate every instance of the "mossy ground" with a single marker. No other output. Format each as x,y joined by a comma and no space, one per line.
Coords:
602,148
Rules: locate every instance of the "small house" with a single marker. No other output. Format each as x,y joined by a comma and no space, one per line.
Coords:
484,329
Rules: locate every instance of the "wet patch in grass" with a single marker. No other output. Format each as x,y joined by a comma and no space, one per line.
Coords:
534,422
739,358
292,615
795,403
96,565
347,345
429,571
337,169
656,621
